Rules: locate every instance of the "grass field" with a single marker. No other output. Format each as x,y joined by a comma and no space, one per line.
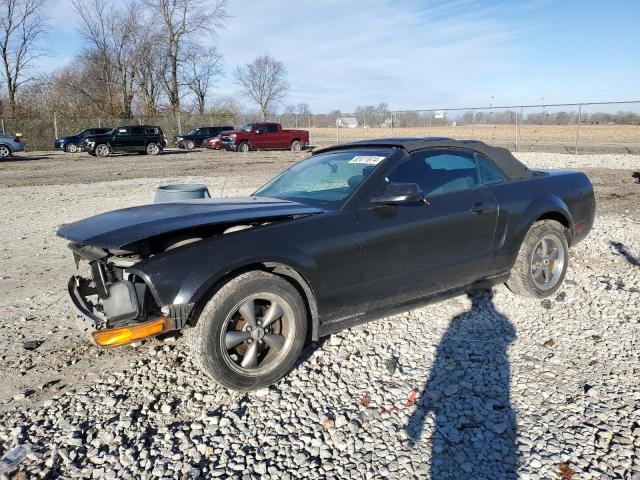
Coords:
527,134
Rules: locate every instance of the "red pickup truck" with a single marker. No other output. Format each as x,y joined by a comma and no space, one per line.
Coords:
264,136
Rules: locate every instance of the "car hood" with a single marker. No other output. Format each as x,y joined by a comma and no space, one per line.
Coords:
119,228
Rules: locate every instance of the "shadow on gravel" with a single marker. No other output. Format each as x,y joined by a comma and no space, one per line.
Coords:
467,395
622,250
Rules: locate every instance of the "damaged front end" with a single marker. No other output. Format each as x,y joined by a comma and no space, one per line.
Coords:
115,307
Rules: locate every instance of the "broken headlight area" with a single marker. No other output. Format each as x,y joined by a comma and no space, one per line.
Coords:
114,307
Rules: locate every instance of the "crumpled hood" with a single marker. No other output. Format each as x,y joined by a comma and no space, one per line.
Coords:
119,228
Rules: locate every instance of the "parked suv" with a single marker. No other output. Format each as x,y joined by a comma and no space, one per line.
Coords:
9,145
71,144
131,138
196,136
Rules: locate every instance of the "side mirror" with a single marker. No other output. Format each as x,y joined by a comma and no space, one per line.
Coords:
399,193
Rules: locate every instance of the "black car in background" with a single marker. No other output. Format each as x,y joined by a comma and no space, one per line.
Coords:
352,233
147,139
196,136
71,144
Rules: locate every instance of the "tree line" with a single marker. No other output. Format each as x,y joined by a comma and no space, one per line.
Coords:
140,57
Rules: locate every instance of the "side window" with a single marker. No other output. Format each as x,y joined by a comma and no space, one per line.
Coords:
272,128
122,131
440,171
137,131
489,172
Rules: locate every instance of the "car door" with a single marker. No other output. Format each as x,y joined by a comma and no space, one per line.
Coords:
121,139
413,250
271,137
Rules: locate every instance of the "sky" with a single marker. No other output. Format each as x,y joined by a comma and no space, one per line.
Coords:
425,54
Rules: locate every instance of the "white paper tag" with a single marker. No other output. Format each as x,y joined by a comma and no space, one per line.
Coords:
367,159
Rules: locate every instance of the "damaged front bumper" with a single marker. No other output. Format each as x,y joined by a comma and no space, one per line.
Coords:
115,307
99,330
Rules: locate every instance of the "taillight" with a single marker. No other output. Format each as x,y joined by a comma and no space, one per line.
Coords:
17,140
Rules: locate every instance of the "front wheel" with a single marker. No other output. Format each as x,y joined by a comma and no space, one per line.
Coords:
251,332
153,149
244,147
71,147
103,150
542,261
190,145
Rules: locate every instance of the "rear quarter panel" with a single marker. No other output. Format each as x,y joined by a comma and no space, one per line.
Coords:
561,193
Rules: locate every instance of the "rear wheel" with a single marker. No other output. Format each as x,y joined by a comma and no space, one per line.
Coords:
153,149
542,261
251,332
5,151
296,146
244,147
102,150
71,147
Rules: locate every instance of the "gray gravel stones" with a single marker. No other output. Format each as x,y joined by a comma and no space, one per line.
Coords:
507,388
497,398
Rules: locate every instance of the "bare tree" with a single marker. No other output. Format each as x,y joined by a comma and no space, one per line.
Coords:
181,21
151,76
118,37
200,71
22,26
263,80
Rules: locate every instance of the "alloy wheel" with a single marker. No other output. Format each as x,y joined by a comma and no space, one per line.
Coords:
258,333
102,150
547,262
4,151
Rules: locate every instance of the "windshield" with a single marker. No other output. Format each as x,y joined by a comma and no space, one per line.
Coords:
194,131
247,127
327,179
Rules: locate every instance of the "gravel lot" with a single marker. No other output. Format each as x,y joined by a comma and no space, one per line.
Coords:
493,386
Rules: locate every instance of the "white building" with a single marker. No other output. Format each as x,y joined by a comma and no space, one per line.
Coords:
347,122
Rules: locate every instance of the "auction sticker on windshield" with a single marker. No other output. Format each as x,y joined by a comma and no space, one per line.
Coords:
367,159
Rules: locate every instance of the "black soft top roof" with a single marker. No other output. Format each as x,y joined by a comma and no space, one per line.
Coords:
503,158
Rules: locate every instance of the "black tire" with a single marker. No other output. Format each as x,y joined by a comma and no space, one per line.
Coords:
296,146
214,322
190,145
71,147
523,274
244,147
102,150
154,149
5,151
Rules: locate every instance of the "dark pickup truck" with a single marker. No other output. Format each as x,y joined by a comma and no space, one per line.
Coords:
147,139
352,233
264,136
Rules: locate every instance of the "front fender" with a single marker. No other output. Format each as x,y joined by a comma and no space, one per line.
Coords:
184,275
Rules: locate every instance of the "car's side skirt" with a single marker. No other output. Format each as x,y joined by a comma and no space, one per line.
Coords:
364,317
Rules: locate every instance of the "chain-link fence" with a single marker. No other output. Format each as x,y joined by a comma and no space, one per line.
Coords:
574,128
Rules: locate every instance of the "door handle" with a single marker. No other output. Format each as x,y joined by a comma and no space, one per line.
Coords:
480,208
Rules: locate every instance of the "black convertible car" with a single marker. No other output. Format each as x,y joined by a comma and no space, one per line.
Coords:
352,233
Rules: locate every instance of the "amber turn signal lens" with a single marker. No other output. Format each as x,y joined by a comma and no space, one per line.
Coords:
120,336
